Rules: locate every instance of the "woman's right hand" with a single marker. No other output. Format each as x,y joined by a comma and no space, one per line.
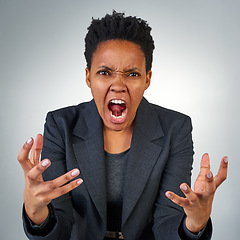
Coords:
38,194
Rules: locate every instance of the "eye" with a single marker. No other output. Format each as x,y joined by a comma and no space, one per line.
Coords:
134,74
103,72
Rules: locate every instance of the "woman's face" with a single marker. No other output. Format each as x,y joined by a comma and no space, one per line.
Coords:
118,80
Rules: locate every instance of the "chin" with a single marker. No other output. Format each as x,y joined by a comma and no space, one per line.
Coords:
116,126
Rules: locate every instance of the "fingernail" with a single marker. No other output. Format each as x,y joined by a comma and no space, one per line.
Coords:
169,195
79,181
44,163
209,175
226,159
29,141
184,188
75,172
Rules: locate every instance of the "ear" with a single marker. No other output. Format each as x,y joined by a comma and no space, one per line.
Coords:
87,71
148,79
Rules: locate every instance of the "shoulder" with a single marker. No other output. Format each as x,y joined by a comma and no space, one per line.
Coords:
155,121
70,118
167,116
164,115
166,111
70,113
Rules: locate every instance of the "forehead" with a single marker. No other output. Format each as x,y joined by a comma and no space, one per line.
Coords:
118,53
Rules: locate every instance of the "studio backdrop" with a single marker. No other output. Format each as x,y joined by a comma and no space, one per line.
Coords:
195,71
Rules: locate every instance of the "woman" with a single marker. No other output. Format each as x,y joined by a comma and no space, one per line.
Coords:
117,162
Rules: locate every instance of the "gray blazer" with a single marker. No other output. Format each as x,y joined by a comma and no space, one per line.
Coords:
160,159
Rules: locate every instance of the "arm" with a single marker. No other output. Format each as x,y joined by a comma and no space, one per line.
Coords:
169,217
197,204
39,193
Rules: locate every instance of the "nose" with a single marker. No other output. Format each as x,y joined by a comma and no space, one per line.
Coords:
118,83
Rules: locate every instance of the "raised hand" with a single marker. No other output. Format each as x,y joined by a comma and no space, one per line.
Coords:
38,194
198,203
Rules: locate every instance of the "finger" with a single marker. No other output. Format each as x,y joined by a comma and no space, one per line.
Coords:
182,202
35,174
64,189
58,182
36,149
204,167
23,155
210,184
205,162
190,195
222,172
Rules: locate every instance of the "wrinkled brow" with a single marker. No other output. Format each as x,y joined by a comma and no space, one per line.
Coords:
124,71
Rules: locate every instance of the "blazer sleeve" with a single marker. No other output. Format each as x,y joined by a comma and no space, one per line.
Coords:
168,216
61,216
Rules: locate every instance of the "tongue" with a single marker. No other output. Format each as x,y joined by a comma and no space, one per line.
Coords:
117,109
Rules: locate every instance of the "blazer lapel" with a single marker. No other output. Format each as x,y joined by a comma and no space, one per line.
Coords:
142,156
89,152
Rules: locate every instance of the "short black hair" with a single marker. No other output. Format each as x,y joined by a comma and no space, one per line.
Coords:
117,26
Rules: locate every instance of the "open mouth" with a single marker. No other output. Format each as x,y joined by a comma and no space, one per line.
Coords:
118,110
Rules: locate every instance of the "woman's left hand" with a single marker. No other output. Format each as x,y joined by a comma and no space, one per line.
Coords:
198,203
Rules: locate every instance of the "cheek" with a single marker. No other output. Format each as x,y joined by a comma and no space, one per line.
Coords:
99,92
137,90
136,94
97,89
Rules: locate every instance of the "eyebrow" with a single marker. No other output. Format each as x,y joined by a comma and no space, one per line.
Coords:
125,71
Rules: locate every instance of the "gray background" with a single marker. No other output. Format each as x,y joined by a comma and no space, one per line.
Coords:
195,71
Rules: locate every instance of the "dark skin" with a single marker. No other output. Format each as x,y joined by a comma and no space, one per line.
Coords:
118,72
197,203
38,194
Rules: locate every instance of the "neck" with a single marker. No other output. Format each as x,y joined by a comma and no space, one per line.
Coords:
117,141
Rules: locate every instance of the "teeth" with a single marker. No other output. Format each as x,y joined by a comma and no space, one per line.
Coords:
115,101
119,117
